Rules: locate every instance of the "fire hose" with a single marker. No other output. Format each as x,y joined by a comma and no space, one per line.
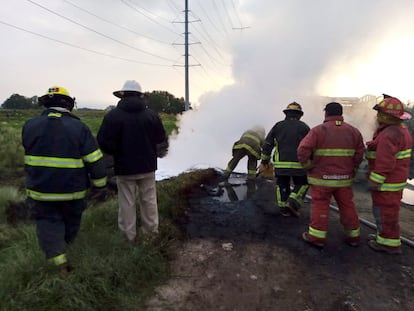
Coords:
368,223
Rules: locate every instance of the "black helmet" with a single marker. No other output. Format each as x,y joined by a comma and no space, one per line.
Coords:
294,108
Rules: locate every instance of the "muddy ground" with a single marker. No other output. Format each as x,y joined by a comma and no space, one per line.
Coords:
241,254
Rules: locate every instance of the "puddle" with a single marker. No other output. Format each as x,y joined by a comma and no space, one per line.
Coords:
408,193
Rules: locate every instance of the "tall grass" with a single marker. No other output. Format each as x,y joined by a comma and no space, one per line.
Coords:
110,273
11,150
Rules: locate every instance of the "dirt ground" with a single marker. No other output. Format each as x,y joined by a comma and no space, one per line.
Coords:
241,254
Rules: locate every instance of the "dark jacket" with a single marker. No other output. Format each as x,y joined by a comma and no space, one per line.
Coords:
61,157
130,133
285,137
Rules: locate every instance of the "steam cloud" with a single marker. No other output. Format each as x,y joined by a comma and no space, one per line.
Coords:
283,57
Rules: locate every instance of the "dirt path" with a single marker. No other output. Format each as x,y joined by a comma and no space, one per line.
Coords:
243,255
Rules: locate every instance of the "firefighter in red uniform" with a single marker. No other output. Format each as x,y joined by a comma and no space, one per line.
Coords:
333,152
388,155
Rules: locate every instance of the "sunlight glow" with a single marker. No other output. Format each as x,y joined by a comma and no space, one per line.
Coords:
386,69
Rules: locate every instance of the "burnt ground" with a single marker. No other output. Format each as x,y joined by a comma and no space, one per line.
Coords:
241,254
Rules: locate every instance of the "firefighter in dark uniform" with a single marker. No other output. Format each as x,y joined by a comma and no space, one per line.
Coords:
284,138
249,145
62,160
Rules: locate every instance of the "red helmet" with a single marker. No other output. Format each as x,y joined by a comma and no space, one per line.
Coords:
393,107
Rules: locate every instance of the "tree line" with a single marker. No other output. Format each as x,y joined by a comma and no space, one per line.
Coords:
159,101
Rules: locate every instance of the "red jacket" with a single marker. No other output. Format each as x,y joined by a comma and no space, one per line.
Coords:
335,150
388,157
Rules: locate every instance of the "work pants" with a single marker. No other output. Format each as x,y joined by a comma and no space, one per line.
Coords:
386,210
238,154
284,192
321,197
147,195
57,224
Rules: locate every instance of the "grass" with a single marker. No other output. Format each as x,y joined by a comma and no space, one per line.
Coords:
110,273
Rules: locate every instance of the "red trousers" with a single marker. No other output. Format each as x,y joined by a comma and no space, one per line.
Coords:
321,198
386,210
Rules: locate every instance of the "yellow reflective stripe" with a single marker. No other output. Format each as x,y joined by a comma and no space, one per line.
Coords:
330,182
403,154
40,196
388,242
353,233
377,178
371,154
53,162
297,197
334,152
320,234
54,114
265,157
58,260
255,138
392,187
100,182
250,149
251,172
288,165
280,203
93,156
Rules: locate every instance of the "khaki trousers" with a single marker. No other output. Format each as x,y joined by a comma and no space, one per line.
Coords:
127,190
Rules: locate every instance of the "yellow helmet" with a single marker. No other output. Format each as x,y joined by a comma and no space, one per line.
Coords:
57,96
57,90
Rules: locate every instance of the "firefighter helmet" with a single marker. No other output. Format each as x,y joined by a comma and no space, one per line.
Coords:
294,107
131,87
57,96
394,107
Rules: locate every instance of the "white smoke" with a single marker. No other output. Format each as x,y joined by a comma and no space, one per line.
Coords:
292,52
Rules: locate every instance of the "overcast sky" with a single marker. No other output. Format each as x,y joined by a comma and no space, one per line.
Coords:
253,57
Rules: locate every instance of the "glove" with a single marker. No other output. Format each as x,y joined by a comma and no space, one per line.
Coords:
98,194
162,149
265,170
307,165
372,186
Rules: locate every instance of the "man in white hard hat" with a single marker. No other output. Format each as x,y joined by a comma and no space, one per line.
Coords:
130,133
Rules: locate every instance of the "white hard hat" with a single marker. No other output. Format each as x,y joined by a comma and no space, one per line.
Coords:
129,86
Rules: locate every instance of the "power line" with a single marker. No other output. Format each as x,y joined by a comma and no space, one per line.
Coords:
237,14
210,20
227,13
112,23
80,47
157,16
219,17
150,18
99,33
